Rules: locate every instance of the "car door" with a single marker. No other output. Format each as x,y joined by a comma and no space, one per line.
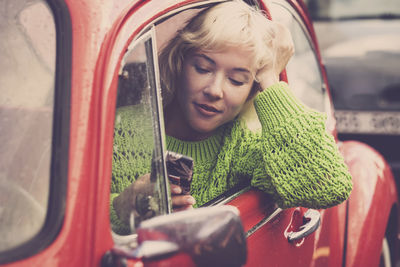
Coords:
268,228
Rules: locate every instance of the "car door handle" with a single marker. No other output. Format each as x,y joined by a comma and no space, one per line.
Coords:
312,220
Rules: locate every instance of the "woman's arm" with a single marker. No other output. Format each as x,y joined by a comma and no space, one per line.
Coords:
300,157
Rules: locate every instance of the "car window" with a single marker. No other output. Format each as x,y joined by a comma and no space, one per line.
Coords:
138,139
303,71
135,132
27,77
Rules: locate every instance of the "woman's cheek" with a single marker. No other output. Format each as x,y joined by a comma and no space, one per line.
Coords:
236,98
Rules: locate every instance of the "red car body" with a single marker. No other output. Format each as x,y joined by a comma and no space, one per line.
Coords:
93,41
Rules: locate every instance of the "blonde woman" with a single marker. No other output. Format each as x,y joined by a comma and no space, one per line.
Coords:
227,57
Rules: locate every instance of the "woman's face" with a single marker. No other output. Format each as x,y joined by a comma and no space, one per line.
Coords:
213,88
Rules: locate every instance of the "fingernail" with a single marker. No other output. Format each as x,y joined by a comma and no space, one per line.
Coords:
176,190
190,200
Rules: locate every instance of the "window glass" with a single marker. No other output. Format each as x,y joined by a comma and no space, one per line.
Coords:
138,189
303,70
27,52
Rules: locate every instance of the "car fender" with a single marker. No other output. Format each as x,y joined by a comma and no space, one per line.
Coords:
369,205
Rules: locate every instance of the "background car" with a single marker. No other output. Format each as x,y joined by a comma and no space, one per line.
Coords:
360,46
68,65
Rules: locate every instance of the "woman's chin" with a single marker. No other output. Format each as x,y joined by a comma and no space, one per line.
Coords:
204,130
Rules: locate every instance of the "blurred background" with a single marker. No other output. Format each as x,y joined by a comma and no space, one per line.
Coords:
360,46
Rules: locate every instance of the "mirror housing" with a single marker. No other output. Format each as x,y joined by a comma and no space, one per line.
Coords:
212,236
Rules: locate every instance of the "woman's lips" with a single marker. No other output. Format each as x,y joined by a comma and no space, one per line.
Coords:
207,109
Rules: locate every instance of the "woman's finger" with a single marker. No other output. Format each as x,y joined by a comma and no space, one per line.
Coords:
175,189
179,201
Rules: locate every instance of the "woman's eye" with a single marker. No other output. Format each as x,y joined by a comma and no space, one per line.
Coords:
236,82
201,70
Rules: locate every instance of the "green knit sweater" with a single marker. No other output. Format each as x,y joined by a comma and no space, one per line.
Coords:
293,158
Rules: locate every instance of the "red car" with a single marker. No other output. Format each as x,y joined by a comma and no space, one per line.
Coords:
68,65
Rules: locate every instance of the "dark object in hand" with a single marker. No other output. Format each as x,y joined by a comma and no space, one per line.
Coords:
180,170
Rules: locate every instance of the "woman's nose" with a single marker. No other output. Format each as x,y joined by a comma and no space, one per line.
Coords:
214,89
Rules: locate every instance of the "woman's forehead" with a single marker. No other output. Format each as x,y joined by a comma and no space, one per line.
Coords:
238,58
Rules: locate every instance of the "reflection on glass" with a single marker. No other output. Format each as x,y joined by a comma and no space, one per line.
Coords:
27,53
136,190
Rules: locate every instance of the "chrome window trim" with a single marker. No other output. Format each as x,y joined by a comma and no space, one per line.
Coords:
148,39
263,222
158,113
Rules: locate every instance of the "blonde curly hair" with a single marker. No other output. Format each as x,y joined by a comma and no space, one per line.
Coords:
227,24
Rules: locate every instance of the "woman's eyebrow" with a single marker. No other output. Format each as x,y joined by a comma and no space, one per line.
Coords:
242,70
210,60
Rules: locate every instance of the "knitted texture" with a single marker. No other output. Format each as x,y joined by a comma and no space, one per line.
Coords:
133,146
294,159
132,152
301,158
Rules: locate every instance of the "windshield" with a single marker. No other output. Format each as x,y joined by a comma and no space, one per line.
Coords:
353,9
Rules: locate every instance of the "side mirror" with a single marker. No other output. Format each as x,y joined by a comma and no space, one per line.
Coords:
212,236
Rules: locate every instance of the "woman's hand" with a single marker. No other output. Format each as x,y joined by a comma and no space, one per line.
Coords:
283,49
179,201
127,201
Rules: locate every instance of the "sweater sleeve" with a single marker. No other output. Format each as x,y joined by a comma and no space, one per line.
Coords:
300,159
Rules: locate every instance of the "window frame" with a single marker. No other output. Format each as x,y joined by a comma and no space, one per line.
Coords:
154,83
131,239
60,140
148,38
241,189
